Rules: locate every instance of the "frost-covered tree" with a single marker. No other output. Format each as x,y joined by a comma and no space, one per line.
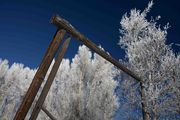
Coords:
148,55
82,90
129,97
14,82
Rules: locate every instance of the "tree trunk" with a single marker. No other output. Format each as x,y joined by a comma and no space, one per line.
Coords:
154,111
143,103
154,115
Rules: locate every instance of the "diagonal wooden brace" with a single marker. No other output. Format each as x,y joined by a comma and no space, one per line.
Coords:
49,81
39,76
48,113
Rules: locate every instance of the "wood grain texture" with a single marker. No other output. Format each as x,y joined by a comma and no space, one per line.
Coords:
39,76
49,81
48,113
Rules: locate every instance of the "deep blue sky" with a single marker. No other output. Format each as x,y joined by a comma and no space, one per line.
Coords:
25,32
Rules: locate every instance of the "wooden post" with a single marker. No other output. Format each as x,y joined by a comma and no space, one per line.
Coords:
62,23
48,113
49,81
145,113
39,76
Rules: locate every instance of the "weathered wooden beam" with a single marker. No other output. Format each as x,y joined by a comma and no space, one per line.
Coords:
48,113
62,23
39,76
49,81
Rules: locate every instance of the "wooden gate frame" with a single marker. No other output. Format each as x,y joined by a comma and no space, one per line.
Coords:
63,28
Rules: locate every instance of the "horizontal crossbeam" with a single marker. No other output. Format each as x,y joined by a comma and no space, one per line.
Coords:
63,24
